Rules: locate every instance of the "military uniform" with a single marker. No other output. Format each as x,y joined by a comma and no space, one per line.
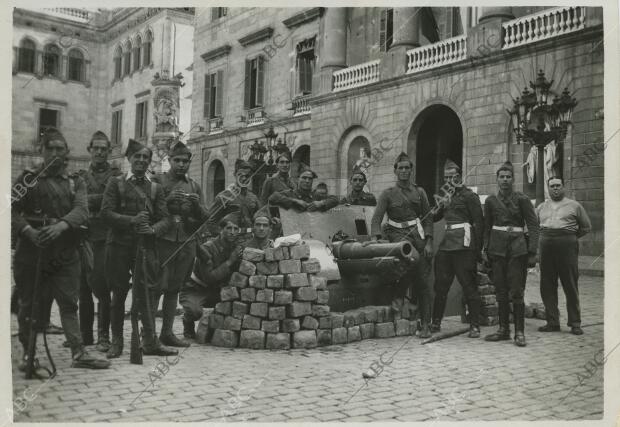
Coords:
94,279
409,219
458,253
186,218
275,184
284,199
245,203
259,244
361,198
505,216
124,197
210,274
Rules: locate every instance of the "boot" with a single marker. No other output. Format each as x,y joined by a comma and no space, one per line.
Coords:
519,318
87,319
83,359
169,311
435,325
425,331
103,328
503,333
439,307
474,316
116,348
152,347
189,329
103,342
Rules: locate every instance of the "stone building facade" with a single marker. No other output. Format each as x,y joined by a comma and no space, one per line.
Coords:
87,69
344,86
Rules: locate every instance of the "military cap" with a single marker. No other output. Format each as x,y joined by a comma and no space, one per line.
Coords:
52,134
305,168
179,149
506,166
285,153
133,147
402,157
262,213
241,164
358,171
233,217
451,165
99,135
321,185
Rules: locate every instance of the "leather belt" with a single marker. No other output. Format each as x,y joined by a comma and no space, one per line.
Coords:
408,224
467,227
508,228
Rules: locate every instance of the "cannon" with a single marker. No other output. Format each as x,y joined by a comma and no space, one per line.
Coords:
358,275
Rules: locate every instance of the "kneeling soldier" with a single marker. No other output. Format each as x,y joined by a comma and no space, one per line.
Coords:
46,219
177,247
135,209
215,262
459,249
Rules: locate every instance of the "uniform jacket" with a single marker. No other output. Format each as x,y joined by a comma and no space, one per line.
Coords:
464,206
274,184
403,204
60,197
363,199
284,199
254,243
185,218
96,180
245,202
210,266
117,211
515,210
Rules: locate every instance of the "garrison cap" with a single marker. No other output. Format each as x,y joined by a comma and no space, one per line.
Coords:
242,164
506,166
262,213
358,171
99,135
133,147
286,153
402,157
306,169
179,149
234,217
451,165
52,134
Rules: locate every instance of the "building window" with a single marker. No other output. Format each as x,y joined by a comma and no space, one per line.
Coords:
148,43
218,12
254,82
118,69
213,95
76,70
141,116
51,61
48,119
26,56
127,60
306,62
386,29
117,126
137,54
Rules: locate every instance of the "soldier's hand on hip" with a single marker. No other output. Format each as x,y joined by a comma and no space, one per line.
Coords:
531,261
51,232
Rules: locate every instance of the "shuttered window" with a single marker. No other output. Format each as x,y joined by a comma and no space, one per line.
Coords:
386,29
117,125
254,83
214,95
141,119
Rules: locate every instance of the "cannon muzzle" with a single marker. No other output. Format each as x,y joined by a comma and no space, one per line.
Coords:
355,250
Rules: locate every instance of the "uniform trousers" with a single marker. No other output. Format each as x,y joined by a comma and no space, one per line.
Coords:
461,263
509,275
194,297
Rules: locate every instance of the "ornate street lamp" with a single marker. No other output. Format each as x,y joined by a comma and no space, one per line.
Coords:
261,167
537,121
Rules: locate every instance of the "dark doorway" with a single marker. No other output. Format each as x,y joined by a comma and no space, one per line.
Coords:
436,135
300,158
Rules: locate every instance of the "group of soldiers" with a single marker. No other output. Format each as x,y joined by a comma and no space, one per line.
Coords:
147,228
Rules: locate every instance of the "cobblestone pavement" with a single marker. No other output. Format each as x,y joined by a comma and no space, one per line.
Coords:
453,379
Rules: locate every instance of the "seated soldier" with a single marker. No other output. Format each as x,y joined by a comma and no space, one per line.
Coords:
215,262
302,199
358,196
261,230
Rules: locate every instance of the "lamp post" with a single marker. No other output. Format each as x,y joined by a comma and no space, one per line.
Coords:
260,167
538,120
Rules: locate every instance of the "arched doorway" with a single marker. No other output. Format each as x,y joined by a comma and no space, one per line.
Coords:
216,180
301,157
436,135
358,155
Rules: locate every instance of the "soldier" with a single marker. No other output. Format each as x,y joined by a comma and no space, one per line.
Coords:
409,218
94,282
46,220
302,199
216,260
459,249
358,196
510,253
239,198
133,207
261,230
184,203
281,181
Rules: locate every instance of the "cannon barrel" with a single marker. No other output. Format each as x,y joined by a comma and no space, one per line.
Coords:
355,250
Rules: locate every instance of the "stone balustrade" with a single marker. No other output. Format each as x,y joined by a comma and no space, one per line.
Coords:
437,54
357,75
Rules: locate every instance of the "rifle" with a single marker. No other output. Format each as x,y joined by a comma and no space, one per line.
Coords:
32,364
135,352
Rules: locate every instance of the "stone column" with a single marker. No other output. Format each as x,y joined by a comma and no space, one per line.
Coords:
405,36
333,45
166,64
491,13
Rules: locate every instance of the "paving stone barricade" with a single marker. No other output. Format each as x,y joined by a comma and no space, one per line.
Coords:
277,300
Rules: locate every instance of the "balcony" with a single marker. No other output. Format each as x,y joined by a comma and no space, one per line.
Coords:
216,125
72,13
256,117
437,54
543,25
301,105
357,76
